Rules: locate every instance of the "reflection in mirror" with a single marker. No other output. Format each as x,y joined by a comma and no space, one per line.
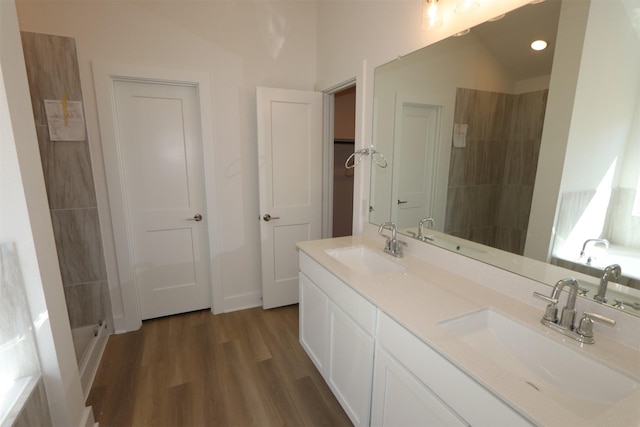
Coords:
462,122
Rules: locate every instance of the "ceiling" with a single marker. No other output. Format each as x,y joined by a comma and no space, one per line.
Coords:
509,38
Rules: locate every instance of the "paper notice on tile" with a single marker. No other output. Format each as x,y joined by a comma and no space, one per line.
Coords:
65,120
459,135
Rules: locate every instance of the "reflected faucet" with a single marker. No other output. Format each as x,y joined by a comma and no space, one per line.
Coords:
612,271
421,235
605,242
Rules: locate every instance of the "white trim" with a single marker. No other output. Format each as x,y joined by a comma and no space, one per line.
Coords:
88,419
328,105
327,153
243,301
105,73
90,361
364,139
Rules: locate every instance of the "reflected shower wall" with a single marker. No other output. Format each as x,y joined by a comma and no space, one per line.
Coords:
491,179
52,69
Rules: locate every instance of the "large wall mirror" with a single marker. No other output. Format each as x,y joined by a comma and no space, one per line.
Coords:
482,134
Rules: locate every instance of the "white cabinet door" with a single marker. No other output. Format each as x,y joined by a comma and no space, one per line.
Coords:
313,322
399,399
350,365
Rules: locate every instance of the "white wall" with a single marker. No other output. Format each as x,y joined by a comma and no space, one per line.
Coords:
24,219
603,113
241,45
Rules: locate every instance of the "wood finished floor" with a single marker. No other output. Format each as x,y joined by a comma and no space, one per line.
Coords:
244,368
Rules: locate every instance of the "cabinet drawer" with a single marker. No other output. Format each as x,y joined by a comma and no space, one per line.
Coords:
351,302
469,399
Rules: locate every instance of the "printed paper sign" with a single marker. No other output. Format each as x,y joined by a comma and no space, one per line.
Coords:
66,120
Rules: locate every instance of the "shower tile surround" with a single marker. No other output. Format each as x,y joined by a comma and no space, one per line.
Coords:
52,69
491,179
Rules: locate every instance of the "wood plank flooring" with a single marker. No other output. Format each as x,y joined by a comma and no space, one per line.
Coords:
244,368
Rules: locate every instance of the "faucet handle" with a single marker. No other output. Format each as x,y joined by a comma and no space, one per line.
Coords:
551,313
586,324
545,298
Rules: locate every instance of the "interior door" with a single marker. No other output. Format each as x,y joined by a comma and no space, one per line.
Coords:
290,162
161,163
416,137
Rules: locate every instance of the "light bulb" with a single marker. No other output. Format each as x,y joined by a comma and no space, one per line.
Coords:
431,15
463,6
539,45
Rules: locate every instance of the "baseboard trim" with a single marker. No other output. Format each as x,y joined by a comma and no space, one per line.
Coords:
87,418
242,302
91,359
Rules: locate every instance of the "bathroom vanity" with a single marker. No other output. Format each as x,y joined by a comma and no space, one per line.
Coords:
404,341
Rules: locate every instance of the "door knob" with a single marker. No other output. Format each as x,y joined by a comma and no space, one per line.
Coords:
196,217
268,217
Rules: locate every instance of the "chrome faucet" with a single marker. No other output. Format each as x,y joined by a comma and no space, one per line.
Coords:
612,271
569,310
421,235
605,242
565,324
393,246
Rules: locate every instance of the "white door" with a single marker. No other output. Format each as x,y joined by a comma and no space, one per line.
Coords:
290,162
161,162
416,137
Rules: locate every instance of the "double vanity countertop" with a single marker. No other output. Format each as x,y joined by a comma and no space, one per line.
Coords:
423,297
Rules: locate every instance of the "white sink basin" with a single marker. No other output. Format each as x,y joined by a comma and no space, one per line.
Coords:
572,379
365,260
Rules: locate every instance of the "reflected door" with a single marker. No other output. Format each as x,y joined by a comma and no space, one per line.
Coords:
415,145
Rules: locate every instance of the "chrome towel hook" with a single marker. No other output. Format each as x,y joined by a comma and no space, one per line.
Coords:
356,156
378,158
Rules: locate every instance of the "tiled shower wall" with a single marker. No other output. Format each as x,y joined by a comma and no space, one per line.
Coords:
52,69
622,228
491,179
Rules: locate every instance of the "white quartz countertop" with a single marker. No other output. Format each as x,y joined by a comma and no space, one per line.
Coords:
424,295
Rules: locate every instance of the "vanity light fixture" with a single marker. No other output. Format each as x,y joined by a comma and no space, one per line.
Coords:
539,45
431,18
462,33
463,6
